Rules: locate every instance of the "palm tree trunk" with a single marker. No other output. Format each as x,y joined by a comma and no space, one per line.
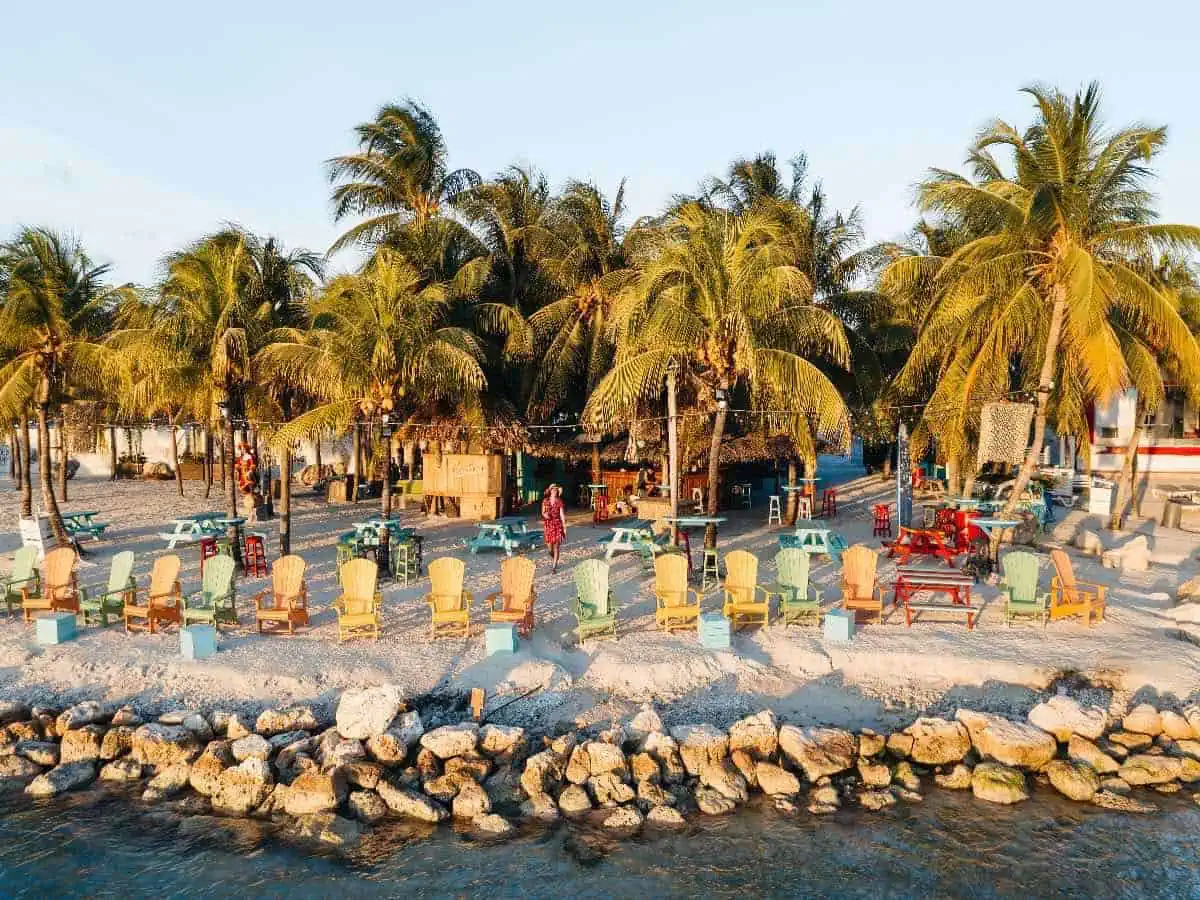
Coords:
17,468
224,448
1045,386
386,492
1116,516
714,470
596,463
356,438
233,486
26,467
64,446
175,459
285,501
45,476
317,454
792,496
112,453
208,462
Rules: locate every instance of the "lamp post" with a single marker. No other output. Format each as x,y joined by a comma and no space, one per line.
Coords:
673,445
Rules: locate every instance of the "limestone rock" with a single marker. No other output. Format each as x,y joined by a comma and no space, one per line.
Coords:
900,744
906,795
1135,554
723,778
1115,785
818,751
253,746
326,828
161,745
876,800
1169,788
1189,769
643,724
757,735
123,769
18,767
367,712
1189,590
574,800
644,767
502,740
409,803
664,817
199,726
237,726
15,732
444,788
64,777
745,764
937,742
824,795
12,711
1078,781
543,772
492,825
117,741
44,753
579,766
343,752
206,770
361,773
713,803
874,774
1188,748
998,784
388,748
1144,719
1008,742
604,758
651,795
614,735
451,740
906,777
1131,740
665,749
1082,750
1063,716
89,712
243,787
774,781
1176,726
700,744
293,718
504,785
315,792
1089,542
367,806
81,744
870,743
472,801
957,779
1143,769
610,790
540,807
168,782
1110,800
624,819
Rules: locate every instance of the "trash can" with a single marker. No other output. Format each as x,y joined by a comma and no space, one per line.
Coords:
1172,515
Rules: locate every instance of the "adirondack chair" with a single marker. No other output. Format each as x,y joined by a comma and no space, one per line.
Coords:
799,601
286,600
162,600
24,575
358,608
59,590
860,588
1069,597
742,591
1020,588
449,604
514,601
98,602
594,607
216,601
678,605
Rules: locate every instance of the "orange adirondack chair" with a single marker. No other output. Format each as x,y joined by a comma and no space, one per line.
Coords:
59,591
448,602
163,599
513,603
286,600
860,588
1069,597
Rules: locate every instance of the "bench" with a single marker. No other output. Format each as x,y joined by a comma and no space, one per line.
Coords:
911,580
967,608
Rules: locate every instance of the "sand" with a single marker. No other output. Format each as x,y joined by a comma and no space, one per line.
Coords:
1147,647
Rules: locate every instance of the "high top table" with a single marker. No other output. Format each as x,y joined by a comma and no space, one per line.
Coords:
688,523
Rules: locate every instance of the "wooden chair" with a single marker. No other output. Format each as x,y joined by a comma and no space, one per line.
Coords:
59,591
449,604
678,605
1069,597
163,598
1020,588
513,603
860,587
23,576
359,607
216,601
286,600
742,591
594,608
101,601
794,590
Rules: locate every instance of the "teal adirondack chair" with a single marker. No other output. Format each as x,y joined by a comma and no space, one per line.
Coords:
1020,588
215,602
97,603
799,601
594,606
24,574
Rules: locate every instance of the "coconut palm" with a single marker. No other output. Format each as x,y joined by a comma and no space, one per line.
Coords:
1053,262
399,175
718,294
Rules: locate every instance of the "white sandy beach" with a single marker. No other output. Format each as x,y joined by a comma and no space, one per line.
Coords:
882,677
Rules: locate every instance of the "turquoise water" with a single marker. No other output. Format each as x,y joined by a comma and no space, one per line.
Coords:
949,845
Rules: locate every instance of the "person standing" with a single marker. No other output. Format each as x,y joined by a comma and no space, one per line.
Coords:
554,521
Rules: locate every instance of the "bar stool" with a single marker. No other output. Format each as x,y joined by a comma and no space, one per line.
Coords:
254,556
803,507
774,511
208,549
883,520
829,503
346,550
404,560
600,513
711,567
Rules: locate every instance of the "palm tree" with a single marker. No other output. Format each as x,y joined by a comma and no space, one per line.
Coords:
1052,263
399,175
56,303
718,294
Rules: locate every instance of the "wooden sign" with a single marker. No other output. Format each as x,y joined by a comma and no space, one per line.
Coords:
36,533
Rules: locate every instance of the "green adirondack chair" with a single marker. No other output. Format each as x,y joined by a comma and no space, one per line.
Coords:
799,601
215,602
24,574
594,606
1020,588
98,602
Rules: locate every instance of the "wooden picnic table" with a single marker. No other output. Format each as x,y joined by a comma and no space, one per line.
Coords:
508,533
632,535
920,542
814,540
914,580
83,521
194,527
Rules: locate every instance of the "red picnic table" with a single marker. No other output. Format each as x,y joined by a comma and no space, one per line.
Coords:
920,542
912,580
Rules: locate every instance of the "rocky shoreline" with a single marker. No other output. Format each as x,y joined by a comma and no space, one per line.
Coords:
330,781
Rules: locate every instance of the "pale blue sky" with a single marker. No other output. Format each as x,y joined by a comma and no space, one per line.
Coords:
143,125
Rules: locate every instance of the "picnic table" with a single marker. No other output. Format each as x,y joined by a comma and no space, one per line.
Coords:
195,527
920,542
914,580
508,533
814,540
636,534
83,521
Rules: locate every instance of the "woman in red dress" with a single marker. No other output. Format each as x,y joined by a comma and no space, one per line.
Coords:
554,521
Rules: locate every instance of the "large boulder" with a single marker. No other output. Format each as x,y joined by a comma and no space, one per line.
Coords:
391,747
161,745
18,768
757,735
1089,543
367,713
1142,768
117,741
645,723
609,790
1011,743
665,749
1075,780
253,746
713,803
1082,750
502,740
451,740
1143,719
409,803
700,745
574,800
1176,727
168,782
44,753
315,792
604,758
293,718
774,781
123,769
206,771
626,820
81,744
544,772
818,751
367,806
998,784
1135,554
957,779
937,742
65,777
723,778
243,787
470,802
90,712
1063,716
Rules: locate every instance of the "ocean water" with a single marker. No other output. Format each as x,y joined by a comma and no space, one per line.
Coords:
948,846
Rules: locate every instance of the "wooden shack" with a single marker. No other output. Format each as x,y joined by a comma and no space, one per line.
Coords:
476,480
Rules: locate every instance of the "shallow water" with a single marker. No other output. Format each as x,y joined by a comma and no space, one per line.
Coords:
950,845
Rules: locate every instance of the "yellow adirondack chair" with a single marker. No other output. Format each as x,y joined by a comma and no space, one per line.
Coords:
678,605
358,608
1069,597
860,588
513,603
743,605
59,591
161,602
286,600
448,602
